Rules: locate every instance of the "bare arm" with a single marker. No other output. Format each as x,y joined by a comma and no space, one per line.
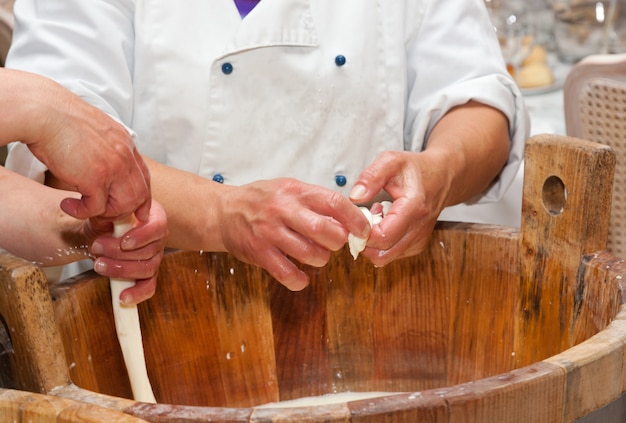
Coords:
36,229
468,147
189,201
80,144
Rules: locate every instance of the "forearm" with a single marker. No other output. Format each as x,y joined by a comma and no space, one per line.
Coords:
26,98
469,147
36,228
185,196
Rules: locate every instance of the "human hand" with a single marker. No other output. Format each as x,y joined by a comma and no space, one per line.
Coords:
465,152
417,186
136,255
92,154
268,223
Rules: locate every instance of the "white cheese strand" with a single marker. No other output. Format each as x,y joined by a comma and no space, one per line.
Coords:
129,331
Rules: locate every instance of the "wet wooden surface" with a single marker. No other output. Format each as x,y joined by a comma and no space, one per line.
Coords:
565,212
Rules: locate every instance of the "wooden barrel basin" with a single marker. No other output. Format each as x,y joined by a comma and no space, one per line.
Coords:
488,324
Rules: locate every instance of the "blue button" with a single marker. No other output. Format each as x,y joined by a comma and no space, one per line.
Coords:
218,178
341,180
227,68
340,60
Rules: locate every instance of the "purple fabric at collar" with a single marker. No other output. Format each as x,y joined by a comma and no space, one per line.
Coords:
245,6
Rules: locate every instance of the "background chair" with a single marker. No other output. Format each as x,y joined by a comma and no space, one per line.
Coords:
595,110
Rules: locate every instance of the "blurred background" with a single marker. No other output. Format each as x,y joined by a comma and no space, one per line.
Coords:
538,36
6,25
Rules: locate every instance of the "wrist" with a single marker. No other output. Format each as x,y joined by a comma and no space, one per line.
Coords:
445,168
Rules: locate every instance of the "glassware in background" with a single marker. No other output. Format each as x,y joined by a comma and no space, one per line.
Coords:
617,34
584,27
515,29
542,17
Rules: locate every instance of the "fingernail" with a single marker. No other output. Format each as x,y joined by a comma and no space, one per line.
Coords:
97,248
125,299
99,266
357,192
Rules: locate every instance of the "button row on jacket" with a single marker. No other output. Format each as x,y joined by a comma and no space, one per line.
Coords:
340,180
227,68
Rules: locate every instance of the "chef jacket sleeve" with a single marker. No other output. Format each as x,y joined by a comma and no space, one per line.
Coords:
454,57
51,36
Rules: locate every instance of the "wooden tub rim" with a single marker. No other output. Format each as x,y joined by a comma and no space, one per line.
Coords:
41,406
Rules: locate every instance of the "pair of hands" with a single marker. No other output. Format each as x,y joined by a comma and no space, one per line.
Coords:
270,223
92,154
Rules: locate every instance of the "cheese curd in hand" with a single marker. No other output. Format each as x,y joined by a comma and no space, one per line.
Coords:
357,244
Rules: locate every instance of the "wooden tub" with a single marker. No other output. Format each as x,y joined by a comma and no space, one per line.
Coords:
488,324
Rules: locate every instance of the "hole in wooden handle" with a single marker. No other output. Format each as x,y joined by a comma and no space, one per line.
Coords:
554,195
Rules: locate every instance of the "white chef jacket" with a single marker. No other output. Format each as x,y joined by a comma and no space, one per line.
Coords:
310,89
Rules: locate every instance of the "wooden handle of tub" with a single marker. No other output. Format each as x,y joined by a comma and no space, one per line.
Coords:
129,330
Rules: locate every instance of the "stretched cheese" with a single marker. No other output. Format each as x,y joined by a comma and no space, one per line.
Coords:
129,332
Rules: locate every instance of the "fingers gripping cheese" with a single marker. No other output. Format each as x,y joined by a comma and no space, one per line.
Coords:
357,244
